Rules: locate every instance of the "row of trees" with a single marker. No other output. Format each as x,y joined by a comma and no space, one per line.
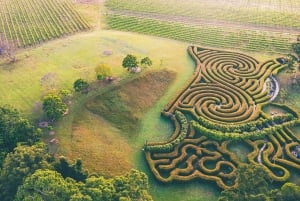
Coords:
130,62
53,104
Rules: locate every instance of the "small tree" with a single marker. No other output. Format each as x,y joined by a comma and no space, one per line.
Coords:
103,71
65,95
292,63
80,85
7,48
129,62
146,62
54,107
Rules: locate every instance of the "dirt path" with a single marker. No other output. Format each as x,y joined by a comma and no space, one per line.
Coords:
260,152
207,22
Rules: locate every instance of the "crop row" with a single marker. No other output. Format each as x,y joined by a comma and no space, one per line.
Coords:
279,15
30,22
205,35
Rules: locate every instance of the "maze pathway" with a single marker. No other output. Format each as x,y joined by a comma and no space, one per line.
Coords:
222,103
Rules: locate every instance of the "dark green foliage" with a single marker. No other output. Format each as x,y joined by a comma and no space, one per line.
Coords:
289,192
15,129
54,107
130,61
132,186
20,164
47,185
296,48
81,85
73,171
146,62
253,184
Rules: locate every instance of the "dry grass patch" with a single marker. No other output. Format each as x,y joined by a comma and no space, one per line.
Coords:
124,106
100,146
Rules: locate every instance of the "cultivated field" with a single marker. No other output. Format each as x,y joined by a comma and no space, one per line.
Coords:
30,22
268,26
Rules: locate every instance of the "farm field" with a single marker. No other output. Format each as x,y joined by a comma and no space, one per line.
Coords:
31,22
268,26
190,120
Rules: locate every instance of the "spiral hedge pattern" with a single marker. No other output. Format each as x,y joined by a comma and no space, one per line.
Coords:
222,103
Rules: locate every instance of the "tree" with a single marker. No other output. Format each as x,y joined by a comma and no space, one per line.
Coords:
253,183
129,62
80,85
146,62
296,47
292,63
282,95
288,192
98,188
53,106
20,164
15,129
65,95
7,48
103,71
47,185
133,186
73,171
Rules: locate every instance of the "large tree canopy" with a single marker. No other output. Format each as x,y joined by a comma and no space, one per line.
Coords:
20,164
252,185
146,62
53,106
15,129
130,61
47,185
80,85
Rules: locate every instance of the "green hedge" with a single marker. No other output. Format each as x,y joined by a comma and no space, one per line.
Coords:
254,135
167,147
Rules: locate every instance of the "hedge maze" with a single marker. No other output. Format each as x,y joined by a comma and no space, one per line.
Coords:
220,104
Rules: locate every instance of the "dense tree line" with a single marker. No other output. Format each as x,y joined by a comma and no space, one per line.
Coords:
28,172
254,184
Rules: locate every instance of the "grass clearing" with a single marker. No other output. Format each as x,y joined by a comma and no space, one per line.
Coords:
77,56
102,147
124,106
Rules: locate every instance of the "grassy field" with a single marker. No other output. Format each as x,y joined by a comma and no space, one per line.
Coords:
82,134
244,25
30,22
